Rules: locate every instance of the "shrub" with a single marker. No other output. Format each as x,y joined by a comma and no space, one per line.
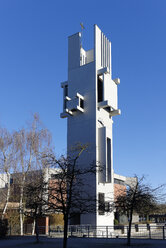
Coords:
3,228
116,222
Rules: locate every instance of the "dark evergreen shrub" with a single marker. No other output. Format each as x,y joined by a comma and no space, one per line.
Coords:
3,228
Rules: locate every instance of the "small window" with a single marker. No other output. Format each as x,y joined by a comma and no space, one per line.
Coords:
101,204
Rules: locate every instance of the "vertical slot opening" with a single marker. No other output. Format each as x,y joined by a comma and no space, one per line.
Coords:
101,203
81,103
108,174
100,89
65,94
66,90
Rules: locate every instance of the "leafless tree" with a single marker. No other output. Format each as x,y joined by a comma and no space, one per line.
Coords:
29,143
7,162
35,190
69,191
139,198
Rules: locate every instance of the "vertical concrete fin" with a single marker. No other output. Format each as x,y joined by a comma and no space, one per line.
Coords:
97,46
74,45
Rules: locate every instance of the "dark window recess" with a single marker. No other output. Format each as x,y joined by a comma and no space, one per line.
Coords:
66,94
108,109
11,181
81,103
73,109
100,89
107,206
75,219
101,204
66,90
108,160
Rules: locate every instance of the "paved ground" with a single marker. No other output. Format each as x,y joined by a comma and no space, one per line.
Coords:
29,242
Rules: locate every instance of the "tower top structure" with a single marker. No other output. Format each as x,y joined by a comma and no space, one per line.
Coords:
100,55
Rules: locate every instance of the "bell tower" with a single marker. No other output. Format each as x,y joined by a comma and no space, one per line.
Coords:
90,100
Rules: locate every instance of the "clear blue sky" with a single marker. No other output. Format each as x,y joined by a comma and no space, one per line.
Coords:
33,62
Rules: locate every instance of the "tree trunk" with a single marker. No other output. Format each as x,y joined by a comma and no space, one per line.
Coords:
21,205
37,230
129,231
33,227
21,218
65,231
7,197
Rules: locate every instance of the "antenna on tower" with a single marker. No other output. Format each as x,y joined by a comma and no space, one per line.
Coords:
82,28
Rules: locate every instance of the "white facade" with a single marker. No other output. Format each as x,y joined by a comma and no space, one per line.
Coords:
3,180
90,101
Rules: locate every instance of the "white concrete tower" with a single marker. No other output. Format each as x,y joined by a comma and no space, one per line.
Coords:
89,103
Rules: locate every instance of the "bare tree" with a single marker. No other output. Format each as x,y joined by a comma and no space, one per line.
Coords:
35,190
6,165
69,192
137,197
29,143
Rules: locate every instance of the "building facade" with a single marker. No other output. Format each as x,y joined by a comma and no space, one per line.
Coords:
90,100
